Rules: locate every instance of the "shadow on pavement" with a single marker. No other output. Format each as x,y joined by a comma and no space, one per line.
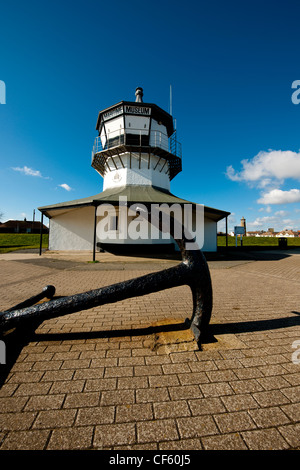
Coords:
253,326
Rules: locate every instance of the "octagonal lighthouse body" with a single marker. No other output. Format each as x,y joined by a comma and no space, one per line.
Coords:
136,145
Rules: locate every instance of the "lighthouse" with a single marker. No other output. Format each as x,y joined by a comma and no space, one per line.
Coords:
137,155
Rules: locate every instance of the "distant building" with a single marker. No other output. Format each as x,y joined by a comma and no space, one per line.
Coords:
255,233
260,233
22,226
269,233
272,233
287,234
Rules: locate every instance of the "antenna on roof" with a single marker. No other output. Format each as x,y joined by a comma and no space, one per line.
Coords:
171,107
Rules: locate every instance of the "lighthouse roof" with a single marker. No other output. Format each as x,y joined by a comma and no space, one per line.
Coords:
134,194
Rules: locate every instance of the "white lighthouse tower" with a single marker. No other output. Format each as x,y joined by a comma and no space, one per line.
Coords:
136,145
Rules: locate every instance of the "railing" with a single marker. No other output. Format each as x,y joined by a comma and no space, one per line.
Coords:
175,146
137,138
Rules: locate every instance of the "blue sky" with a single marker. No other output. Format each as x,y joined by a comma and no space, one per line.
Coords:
231,66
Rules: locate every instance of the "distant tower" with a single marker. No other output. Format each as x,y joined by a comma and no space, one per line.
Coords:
243,224
136,145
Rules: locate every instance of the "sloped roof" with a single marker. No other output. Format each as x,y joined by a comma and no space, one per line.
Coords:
22,224
133,193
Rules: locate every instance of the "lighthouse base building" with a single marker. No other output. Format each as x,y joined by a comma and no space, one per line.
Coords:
137,154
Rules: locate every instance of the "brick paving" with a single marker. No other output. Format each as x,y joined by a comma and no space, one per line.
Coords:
103,379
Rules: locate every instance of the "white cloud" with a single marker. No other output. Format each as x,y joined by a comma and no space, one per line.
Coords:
282,213
278,221
28,171
265,209
275,221
65,186
277,196
261,222
267,167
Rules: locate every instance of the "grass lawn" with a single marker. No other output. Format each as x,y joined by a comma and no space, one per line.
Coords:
20,241
257,241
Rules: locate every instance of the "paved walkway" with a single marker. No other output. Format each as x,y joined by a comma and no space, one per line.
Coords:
127,376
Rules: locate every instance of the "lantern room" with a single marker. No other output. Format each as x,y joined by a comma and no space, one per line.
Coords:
137,127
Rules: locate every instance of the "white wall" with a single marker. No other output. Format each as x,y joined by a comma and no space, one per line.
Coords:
138,174
72,230
210,235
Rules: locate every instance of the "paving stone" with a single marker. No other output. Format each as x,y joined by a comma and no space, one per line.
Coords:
135,383
152,395
196,427
71,438
291,434
133,412
216,389
239,402
292,411
117,397
171,409
16,421
12,404
206,406
265,439
185,392
54,418
44,402
273,397
114,435
267,417
26,440
224,442
94,416
159,430
234,422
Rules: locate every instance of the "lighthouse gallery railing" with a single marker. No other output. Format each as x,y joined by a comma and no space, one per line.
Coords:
137,138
